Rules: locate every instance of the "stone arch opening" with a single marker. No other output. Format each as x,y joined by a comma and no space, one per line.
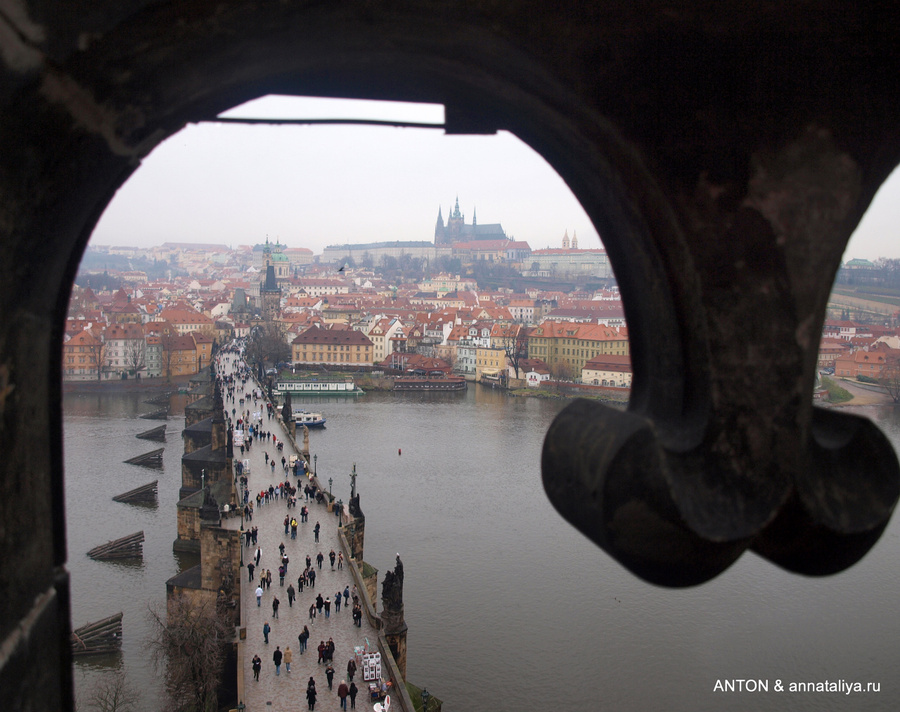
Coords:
97,186
724,157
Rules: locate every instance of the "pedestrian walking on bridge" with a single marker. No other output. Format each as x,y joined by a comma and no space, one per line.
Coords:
303,637
276,658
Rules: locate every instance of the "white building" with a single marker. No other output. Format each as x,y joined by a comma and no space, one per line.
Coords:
608,370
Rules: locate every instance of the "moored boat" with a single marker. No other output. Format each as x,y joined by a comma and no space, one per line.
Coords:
310,420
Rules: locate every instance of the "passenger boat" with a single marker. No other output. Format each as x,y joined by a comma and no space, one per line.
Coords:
310,420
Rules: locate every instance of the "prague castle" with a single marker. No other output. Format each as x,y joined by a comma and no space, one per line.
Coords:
456,229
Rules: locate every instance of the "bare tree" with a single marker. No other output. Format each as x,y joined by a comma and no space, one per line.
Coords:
189,643
135,355
561,371
890,377
515,343
97,353
268,343
113,693
166,353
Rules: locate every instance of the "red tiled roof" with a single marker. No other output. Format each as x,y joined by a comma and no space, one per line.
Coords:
317,335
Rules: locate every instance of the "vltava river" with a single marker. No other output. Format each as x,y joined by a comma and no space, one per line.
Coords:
508,607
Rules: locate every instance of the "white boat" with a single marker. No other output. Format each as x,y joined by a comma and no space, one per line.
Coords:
310,420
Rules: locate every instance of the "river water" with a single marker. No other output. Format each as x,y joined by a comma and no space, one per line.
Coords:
508,607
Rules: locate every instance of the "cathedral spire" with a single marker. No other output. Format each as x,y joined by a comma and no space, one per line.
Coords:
474,218
439,228
565,241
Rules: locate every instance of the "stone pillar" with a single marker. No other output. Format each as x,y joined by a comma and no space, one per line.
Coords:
392,615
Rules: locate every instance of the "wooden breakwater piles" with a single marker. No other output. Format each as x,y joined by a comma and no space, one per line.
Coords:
158,434
161,399
154,459
143,494
98,638
128,547
161,414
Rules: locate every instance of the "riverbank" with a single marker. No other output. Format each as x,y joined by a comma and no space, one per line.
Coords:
130,385
604,394
863,395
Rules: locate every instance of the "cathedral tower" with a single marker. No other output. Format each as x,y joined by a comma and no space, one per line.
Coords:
440,237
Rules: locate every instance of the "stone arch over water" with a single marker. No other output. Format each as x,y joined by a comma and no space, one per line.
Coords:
725,156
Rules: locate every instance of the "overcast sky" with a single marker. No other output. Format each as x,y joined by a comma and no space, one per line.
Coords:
313,186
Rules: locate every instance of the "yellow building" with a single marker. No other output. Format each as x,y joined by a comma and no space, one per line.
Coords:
332,347
567,346
203,346
179,356
490,363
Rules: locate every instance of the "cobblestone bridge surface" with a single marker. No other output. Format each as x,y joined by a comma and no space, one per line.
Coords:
287,692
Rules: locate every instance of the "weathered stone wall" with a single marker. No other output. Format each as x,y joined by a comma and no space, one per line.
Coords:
196,596
371,584
355,532
188,529
220,555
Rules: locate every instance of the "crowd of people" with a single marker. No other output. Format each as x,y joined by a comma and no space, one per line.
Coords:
234,377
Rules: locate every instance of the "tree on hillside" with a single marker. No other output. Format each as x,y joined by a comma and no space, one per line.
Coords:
189,643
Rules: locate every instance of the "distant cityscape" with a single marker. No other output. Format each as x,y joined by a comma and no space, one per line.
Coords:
472,302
